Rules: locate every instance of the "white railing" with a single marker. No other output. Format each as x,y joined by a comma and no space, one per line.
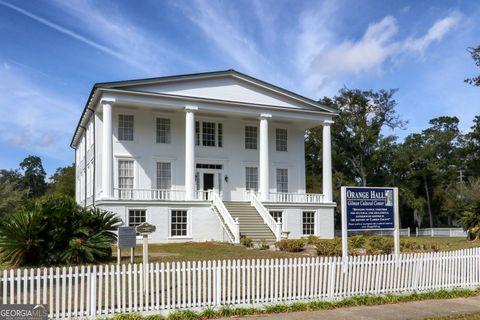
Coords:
156,194
275,226
289,197
440,232
231,224
101,291
296,197
403,232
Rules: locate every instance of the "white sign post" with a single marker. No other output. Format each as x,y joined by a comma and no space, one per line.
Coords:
367,209
145,229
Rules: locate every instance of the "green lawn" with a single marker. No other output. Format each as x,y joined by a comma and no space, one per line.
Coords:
218,251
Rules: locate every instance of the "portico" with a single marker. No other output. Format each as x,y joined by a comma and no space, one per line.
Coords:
188,145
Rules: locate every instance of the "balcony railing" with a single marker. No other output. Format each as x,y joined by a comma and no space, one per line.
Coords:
157,194
292,197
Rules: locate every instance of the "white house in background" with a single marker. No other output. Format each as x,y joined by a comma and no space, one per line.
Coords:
204,157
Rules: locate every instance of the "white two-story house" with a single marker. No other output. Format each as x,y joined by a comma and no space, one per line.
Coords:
204,157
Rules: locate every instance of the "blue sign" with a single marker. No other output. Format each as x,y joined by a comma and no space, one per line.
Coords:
369,208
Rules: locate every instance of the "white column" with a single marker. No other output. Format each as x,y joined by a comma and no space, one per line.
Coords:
107,150
190,152
264,176
327,161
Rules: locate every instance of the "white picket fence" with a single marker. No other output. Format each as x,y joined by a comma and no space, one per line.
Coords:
440,232
91,291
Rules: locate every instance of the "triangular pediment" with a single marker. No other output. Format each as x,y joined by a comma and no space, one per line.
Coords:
224,85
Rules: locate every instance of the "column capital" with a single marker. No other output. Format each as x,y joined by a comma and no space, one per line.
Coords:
191,108
327,122
265,116
107,101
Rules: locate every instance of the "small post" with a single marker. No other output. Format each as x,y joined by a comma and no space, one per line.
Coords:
416,231
119,255
132,254
396,222
237,231
145,229
344,230
279,228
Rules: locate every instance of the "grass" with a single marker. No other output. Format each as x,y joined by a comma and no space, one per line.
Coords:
210,313
194,251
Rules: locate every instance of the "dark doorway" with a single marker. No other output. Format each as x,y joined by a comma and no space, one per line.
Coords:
208,181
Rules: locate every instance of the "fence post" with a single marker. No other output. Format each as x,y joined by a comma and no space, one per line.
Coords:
416,231
218,282
408,232
93,296
331,277
433,232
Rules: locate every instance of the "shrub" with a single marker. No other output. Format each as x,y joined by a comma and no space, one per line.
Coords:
380,245
55,230
312,239
290,245
329,247
263,245
470,221
357,242
247,242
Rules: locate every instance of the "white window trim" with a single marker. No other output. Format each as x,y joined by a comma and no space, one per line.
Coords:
118,158
288,179
171,160
147,218
245,125
284,218
189,224
315,219
162,116
275,139
115,119
216,121
245,176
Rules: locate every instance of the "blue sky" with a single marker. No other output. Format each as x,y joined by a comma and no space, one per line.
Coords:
52,52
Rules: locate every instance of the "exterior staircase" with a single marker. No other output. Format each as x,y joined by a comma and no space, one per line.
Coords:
251,223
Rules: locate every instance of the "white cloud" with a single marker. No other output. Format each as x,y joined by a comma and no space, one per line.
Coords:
435,33
322,58
34,118
108,31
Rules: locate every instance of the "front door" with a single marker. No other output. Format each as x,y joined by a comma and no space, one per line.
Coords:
208,181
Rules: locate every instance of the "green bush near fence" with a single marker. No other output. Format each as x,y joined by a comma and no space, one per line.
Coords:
55,230
210,313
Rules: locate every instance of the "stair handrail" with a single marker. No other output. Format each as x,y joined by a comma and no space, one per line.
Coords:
275,226
232,224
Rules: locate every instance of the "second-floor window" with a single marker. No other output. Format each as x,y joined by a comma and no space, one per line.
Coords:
281,139
163,130
250,137
251,178
164,175
282,180
208,134
125,174
125,127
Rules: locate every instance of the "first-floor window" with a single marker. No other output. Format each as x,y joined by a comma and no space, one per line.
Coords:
136,217
277,215
282,180
308,221
251,178
125,174
179,223
164,175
